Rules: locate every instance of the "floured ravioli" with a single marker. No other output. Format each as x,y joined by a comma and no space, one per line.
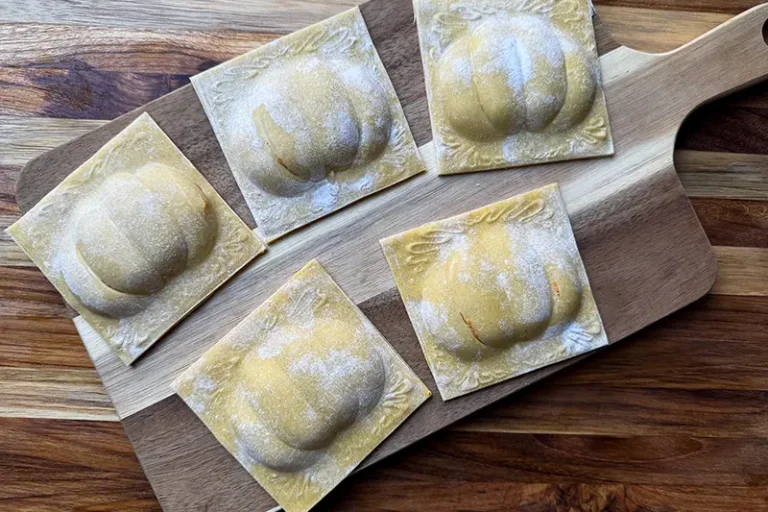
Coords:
496,292
309,123
302,390
512,83
135,238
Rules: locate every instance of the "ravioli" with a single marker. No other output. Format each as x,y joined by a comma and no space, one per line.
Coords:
496,292
302,390
135,238
309,123
512,83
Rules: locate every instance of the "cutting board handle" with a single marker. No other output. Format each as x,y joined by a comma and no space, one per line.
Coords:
731,57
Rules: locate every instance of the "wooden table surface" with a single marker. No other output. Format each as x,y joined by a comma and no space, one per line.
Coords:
675,418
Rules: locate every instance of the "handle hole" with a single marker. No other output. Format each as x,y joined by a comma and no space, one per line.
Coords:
765,32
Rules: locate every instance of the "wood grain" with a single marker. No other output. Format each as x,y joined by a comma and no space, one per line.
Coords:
10,253
115,70
26,292
24,138
27,342
657,31
53,393
99,77
742,271
271,269
723,175
689,362
179,495
176,493
537,458
127,50
709,6
367,495
726,128
734,223
80,93
255,15
616,411
714,344
52,466
8,178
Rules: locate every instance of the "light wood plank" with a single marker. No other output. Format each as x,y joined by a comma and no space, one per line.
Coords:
10,253
54,393
723,175
656,30
721,6
24,138
130,50
254,15
647,29
741,271
142,50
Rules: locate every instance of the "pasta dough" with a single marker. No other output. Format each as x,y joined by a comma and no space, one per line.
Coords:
302,390
512,83
135,238
309,123
496,292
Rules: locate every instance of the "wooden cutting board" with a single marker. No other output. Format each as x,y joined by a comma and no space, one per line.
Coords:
644,249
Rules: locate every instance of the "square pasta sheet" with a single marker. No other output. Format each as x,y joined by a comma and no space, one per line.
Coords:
496,292
302,390
309,123
512,82
135,238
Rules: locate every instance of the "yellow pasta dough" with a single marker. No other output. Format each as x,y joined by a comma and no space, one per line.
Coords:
496,292
309,123
135,238
512,83
302,390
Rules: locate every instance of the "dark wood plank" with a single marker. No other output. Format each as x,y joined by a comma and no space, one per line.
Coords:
51,466
454,456
722,127
404,494
698,372
28,342
717,343
80,93
733,222
561,408
24,291
8,177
